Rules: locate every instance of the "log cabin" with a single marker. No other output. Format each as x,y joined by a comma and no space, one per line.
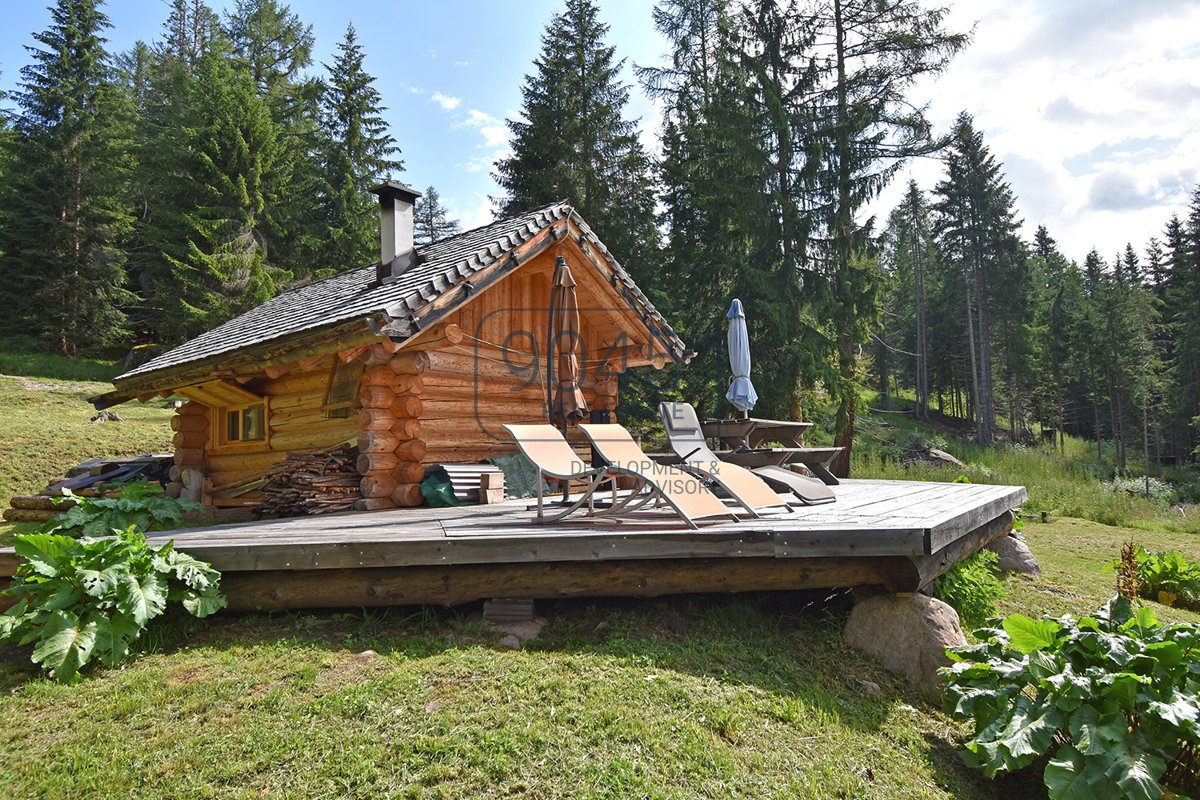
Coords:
418,358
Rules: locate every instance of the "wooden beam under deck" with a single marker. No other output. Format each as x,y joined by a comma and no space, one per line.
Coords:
896,534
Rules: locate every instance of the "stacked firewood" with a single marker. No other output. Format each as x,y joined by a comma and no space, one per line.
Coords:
313,482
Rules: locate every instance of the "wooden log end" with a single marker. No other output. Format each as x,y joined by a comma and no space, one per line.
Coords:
376,419
407,495
408,472
411,450
406,406
373,487
372,396
410,363
376,463
379,375
188,458
189,440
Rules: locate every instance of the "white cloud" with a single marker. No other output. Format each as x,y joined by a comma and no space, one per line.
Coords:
1092,110
485,162
462,63
475,215
493,130
447,102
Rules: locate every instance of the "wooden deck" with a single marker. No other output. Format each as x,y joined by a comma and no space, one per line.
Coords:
897,534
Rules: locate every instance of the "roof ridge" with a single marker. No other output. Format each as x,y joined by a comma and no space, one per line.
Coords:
528,213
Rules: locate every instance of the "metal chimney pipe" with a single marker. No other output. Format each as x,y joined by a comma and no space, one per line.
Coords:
396,251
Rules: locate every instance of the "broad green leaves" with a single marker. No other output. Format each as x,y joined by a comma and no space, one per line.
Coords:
1112,699
141,597
85,599
1028,636
142,505
1167,577
65,646
1015,742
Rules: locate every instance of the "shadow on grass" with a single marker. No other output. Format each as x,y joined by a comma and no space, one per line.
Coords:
786,644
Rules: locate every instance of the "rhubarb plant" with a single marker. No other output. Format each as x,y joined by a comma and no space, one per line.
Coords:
81,600
1107,705
142,504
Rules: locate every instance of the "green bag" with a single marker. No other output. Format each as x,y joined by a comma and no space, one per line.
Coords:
438,491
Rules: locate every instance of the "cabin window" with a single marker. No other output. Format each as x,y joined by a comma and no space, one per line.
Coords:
246,424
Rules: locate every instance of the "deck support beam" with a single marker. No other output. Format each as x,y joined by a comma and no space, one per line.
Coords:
397,586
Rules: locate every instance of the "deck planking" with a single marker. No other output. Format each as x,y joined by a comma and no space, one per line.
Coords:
895,534
870,518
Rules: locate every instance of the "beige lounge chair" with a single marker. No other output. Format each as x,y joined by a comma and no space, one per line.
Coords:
680,490
553,457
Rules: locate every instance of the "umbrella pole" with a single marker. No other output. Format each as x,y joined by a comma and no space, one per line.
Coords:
720,373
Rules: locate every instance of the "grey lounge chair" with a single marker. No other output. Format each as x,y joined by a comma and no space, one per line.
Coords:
687,440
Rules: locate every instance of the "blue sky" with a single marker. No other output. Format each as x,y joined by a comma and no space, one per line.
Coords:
1093,106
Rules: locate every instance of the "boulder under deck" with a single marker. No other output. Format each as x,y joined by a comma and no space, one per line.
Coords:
896,534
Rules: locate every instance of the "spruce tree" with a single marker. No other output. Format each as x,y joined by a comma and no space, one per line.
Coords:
357,153
910,258
210,230
573,143
719,208
191,35
977,224
862,127
273,46
1055,374
64,208
1184,299
431,220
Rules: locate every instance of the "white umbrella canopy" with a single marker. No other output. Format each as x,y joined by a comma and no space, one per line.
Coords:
741,390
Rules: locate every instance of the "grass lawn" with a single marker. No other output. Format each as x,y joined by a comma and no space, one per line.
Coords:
45,429
22,355
753,696
702,696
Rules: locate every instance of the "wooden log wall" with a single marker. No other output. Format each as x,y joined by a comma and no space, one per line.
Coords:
390,442
471,385
191,426
467,396
440,398
297,420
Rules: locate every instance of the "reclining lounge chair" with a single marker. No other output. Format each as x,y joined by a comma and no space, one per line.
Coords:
678,488
550,453
687,440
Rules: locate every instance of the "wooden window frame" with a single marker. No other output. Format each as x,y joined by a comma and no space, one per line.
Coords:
220,427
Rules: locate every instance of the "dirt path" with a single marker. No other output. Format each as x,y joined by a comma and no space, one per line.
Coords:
30,385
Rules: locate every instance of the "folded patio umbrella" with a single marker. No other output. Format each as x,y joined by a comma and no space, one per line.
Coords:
567,406
741,390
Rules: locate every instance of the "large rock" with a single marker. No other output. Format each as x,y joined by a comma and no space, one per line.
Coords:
942,455
909,634
1013,555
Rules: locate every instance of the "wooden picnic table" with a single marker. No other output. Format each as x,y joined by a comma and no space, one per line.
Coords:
750,432
742,440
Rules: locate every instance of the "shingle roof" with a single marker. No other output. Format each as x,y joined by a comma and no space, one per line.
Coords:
357,294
